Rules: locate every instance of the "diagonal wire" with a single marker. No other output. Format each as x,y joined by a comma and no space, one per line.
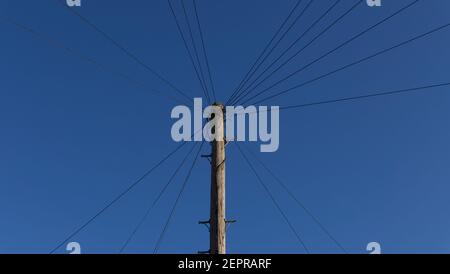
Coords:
442,27
334,23
288,49
57,44
161,193
204,50
335,49
265,49
205,92
366,96
291,194
371,95
124,49
302,243
276,45
258,62
117,198
183,187
191,34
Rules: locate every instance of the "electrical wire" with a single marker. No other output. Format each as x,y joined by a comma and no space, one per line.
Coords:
335,49
117,198
354,98
278,42
183,187
204,50
205,92
291,194
123,49
334,23
272,198
55,43
151,206
191,34
442,27
266,48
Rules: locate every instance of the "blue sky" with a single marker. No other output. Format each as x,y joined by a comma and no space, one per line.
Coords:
73,136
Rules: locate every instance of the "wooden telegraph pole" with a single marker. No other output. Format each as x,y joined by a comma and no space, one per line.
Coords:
217,214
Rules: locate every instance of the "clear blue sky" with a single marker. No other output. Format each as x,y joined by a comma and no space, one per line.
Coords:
74,136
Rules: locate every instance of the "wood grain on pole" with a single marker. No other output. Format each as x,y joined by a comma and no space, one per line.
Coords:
217,214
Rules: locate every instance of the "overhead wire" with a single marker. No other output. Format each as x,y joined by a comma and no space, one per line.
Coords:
116,199
267,47
125,50
415,38
180,194
274,201
55,43
353,38
199,63
155,201
253,87
302,205
366,96
208,67
305,9
180,31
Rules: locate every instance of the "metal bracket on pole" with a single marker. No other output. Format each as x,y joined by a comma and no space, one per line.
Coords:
204,252
207,157
229,222
205,223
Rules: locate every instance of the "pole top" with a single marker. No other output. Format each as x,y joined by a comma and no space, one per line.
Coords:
219,104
